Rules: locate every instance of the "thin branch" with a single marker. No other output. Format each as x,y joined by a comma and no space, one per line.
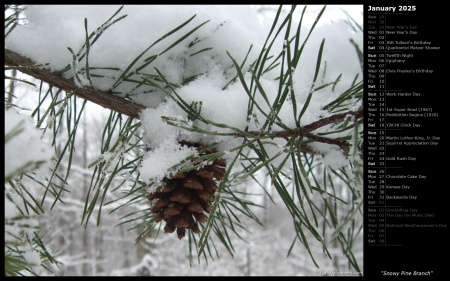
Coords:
104,99
342,144
305,131
333,119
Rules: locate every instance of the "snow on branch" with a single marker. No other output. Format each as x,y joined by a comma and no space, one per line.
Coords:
105,99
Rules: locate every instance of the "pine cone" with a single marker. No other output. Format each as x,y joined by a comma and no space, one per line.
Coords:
182,200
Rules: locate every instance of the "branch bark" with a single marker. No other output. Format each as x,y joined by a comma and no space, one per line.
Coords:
305,131
105,99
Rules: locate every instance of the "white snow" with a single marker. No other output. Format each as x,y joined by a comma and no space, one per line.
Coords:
158,163
335,159
25,147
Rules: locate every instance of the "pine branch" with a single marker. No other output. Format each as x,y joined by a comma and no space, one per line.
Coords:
334,119
128,108
104,99
305,131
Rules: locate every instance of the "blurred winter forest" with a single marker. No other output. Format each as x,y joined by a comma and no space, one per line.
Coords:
109,248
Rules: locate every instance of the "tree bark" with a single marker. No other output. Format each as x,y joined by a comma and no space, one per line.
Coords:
105,99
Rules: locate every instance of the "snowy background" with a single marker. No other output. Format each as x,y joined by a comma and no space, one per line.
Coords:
109,250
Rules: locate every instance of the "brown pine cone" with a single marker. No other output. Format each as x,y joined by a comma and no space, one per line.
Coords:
182,200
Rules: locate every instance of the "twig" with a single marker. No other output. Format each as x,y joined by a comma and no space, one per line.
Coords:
305,131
